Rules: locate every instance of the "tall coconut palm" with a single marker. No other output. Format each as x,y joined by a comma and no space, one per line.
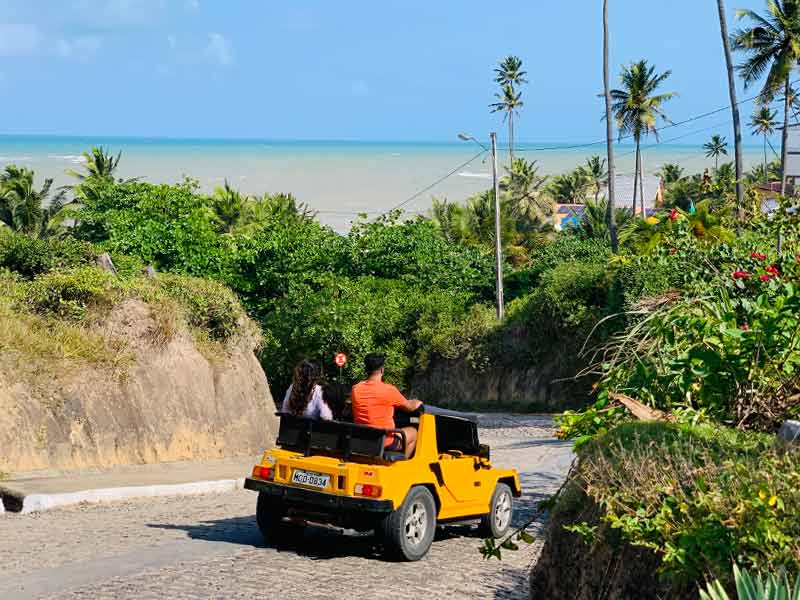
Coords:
610,205
715,147
737,126
763,124
637,108
509,74
509,101
597,173
772,46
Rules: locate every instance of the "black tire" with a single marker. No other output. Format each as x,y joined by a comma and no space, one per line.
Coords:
409,530
270,514
497,521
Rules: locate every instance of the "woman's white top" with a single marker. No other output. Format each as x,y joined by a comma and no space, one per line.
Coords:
316,407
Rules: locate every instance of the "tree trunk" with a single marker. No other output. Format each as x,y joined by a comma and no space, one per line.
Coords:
737,127
766,177
641,185
785,136
511,138
636,173
611,217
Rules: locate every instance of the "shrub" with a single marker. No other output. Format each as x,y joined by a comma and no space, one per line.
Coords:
208,305
30,256
69,293
566,248
699,497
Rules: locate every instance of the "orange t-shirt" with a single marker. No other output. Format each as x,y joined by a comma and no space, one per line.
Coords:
374,402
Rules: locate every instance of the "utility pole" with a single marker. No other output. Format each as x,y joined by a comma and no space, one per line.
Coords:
498,247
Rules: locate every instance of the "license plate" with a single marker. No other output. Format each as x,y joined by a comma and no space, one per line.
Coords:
311,479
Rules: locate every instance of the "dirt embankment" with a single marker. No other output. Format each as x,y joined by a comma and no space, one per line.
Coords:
169,401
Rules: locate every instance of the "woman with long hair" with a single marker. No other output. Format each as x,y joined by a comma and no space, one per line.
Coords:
304,396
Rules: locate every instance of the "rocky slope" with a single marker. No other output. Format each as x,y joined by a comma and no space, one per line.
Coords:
171,399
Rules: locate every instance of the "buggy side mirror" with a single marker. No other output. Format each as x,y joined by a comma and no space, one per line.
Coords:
483,451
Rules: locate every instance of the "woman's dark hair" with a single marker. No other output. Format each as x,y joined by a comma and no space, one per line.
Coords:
335,396
305,378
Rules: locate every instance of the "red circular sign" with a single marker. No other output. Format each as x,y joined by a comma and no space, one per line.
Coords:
340,359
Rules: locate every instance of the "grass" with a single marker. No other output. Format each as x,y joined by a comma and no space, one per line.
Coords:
58,317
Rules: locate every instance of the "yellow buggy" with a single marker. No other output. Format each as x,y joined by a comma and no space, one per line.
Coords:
341,474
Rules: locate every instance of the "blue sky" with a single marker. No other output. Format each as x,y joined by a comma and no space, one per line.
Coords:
317,69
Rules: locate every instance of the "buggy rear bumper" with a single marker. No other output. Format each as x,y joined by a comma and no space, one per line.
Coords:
311,498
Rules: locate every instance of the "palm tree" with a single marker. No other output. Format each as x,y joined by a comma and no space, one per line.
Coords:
525,189
22,207
570,188
449,220
637,107
737,127
596,171
772,46
509,75
716,146
98,165
593,224
763,123
230,207
670,173
611,204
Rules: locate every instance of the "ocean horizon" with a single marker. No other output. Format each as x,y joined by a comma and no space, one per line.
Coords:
340,178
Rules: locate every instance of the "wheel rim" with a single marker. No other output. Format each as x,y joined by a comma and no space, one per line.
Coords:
502,511
416,523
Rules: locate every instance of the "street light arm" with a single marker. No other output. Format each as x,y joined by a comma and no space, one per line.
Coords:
468,138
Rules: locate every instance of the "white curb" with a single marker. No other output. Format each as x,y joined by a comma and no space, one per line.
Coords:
42,502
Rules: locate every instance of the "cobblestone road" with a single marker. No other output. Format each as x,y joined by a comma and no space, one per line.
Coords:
209,546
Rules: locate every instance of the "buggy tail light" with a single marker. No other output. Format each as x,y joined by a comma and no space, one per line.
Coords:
262,472
368,490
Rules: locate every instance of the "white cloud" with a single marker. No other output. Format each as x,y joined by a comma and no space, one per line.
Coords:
79,47
219,49
19,39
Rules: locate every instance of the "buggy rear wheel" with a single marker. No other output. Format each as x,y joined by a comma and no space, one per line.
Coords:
270,515
408,531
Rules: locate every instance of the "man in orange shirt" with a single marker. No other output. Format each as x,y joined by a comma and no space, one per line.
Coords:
374,402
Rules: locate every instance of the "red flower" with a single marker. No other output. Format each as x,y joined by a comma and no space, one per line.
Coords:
744,326
673,250
765,277
758,256
773,269
673,215
741,274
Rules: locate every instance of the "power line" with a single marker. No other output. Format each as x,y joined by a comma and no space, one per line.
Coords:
435,183
668,126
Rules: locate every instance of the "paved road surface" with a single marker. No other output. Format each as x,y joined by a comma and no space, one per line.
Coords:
209,546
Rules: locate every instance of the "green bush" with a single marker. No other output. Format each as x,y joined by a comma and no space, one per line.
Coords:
698,497
208,305
566,248
69,293
30,256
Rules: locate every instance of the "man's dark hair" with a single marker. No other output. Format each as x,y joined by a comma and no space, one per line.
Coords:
373,362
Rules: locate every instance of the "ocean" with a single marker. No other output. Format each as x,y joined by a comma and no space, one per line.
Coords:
339,179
